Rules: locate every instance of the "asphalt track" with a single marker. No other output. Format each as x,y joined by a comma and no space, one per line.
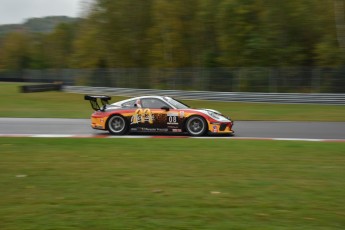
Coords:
243,129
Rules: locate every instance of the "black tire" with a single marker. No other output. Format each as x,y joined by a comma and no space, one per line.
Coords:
196,126
117,125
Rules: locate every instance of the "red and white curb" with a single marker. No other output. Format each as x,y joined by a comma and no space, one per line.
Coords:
166,137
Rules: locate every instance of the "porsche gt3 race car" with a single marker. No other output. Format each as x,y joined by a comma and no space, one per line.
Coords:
155,114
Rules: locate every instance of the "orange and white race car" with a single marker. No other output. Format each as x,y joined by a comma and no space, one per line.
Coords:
156,114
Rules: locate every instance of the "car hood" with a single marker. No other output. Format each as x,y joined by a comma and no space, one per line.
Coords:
214,114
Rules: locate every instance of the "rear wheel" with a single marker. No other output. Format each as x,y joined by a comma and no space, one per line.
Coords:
117,125
196,126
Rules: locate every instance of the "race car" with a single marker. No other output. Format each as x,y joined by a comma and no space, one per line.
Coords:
155,114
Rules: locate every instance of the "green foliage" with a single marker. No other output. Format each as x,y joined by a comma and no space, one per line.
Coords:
15,51
40,43
59,43
173,33
115,34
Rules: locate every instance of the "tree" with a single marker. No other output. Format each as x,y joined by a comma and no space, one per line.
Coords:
190,33
173,33
58,46
15,53
119,31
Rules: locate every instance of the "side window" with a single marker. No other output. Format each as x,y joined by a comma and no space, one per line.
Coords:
153,103
129,104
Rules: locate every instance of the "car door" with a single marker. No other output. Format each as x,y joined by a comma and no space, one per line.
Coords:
155,111
133,114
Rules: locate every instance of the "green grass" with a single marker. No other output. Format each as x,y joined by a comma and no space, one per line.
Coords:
170,184
66,105
42,104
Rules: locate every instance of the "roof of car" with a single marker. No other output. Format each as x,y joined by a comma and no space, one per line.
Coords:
140,97
152,96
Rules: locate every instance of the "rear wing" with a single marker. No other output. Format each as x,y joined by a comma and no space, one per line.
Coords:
94,101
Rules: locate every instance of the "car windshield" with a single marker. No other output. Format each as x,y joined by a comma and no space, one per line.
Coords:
177,104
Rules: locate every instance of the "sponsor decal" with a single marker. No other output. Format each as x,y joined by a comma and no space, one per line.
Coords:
148,129
142,116
143,129
162,130
215,129
177,130
182,114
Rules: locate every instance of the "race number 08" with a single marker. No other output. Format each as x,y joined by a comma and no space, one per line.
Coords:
172,119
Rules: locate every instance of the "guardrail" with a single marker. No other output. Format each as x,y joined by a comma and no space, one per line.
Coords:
291,98
41,88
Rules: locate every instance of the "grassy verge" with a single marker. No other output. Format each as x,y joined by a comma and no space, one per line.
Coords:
65,105
177,184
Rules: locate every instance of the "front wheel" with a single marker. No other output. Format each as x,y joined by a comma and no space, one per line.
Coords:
117,125
196,126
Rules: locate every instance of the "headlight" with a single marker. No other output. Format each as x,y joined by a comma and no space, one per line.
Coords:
213,115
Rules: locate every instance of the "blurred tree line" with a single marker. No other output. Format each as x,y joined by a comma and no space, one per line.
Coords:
188,33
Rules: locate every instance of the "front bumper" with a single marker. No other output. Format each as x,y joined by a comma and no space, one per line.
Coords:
221,127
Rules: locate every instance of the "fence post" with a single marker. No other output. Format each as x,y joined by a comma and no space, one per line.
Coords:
272,82
237,80
316,84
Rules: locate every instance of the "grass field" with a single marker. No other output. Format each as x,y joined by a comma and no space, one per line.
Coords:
65,105
170,184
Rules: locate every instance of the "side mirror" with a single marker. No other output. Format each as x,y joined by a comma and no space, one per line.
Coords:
166,108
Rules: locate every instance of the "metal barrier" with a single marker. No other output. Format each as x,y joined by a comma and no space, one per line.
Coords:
300,98
41,87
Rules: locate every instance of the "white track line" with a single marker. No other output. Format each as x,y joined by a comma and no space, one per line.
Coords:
167,137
